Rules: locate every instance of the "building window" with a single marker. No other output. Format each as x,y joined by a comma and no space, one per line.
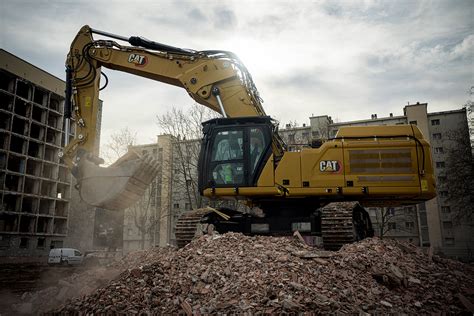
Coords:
423,219
425,236
315,134
4,242
437,136
448,225
449,241
446,210
443,194
305,135
408,210
391,211
130,232
392,226
187,206
409,225
440,164
413,122
56,244
24,242
176,205
439,150
41,243
155,151
291,138
434,122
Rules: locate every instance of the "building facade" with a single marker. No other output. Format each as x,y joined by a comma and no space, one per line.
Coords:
39,208
35,187
150,222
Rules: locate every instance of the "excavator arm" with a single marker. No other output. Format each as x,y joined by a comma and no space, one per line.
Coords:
216,79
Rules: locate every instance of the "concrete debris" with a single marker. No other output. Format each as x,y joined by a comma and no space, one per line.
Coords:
256,275
81,284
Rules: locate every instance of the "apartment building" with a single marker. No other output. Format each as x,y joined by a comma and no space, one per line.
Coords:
150,221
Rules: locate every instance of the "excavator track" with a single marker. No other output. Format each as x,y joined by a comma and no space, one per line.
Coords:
188,225
343,223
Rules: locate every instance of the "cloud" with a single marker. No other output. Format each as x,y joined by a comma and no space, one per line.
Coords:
224,18
346,59
197,15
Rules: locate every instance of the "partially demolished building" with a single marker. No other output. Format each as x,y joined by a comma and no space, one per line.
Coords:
35,188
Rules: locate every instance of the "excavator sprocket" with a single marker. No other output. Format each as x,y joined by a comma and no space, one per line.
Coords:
188,225
343,223
118,186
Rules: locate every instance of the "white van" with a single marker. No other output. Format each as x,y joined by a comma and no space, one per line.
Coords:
65,256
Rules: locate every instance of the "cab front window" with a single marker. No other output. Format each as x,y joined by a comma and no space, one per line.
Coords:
227,158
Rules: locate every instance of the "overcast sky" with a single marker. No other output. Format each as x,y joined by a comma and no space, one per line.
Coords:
346,59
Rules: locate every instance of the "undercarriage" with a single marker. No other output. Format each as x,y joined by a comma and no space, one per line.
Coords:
337,223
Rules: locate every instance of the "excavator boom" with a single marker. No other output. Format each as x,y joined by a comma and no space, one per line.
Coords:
216,79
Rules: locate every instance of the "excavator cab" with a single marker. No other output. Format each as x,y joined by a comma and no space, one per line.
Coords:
234,151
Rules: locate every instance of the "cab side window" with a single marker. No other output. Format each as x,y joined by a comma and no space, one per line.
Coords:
257,141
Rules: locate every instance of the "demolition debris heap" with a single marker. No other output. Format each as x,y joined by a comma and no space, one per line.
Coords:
233,273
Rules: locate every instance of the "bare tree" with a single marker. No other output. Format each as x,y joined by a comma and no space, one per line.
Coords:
388,217
186,129
144,217
295,137
459,174
142,213
322,133
469,106
118,145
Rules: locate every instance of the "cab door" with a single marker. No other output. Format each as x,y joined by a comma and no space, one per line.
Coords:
227,167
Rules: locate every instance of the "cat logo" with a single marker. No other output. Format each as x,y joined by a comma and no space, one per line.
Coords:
329,166
138,60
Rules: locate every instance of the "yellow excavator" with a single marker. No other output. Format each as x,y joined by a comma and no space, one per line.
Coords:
319,190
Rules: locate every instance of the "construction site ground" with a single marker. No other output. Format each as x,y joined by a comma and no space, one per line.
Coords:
233,273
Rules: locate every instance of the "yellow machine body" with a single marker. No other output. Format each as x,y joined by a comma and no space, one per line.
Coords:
369,164
377,165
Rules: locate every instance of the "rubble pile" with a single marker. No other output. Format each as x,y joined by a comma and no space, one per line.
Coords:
83,282
233,273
